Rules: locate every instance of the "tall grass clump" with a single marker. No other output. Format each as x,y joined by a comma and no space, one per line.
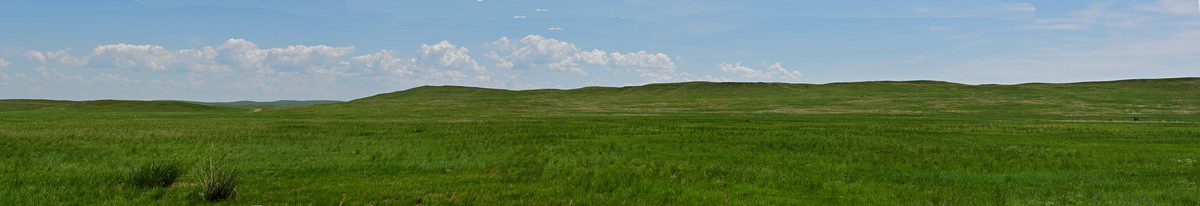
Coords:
218,182
161,174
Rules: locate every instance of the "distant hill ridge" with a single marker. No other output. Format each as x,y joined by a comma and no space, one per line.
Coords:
156,105
105,105
1187,81
1177,96
1123,97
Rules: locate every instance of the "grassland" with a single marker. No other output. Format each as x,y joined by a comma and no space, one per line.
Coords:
696,143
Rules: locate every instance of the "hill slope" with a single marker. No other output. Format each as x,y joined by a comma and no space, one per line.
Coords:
1112,98
107,105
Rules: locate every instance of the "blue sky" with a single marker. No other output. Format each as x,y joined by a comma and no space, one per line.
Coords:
231,50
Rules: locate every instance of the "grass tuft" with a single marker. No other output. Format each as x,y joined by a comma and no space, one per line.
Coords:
218,182
154,174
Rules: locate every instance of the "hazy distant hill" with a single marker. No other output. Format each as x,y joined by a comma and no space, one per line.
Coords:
149,106
253,104
108,105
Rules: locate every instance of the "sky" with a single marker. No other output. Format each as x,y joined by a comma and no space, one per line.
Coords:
265,50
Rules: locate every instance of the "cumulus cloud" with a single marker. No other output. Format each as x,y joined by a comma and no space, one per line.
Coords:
298,68
519,17
541,10
744,71
444,55
384,62
300,56
778,71
641,59
154,58
500,62
233,54
441,60
240,53
774,71
535,51
58,57
4,64
556,28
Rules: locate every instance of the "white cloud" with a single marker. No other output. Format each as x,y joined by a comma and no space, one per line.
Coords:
303,56
444,55
502,44
438,61
743,71
519,17
232,55
556,28
535,51
500,62
36,56
384,62
778,71
594,57
58,57
541,10
242,54
641,59
4,64
774,71
154,58
298,68
538,49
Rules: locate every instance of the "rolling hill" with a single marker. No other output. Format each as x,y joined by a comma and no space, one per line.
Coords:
1126,98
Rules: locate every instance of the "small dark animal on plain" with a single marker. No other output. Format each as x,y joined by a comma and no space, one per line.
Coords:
1135,119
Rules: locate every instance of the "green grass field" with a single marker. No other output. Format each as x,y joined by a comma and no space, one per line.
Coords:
866,143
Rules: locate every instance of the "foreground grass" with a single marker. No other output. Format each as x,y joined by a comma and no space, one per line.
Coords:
603,156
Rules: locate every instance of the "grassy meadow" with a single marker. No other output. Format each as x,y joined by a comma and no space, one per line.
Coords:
696,143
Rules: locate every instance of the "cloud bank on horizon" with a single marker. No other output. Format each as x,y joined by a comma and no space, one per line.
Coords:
326,49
